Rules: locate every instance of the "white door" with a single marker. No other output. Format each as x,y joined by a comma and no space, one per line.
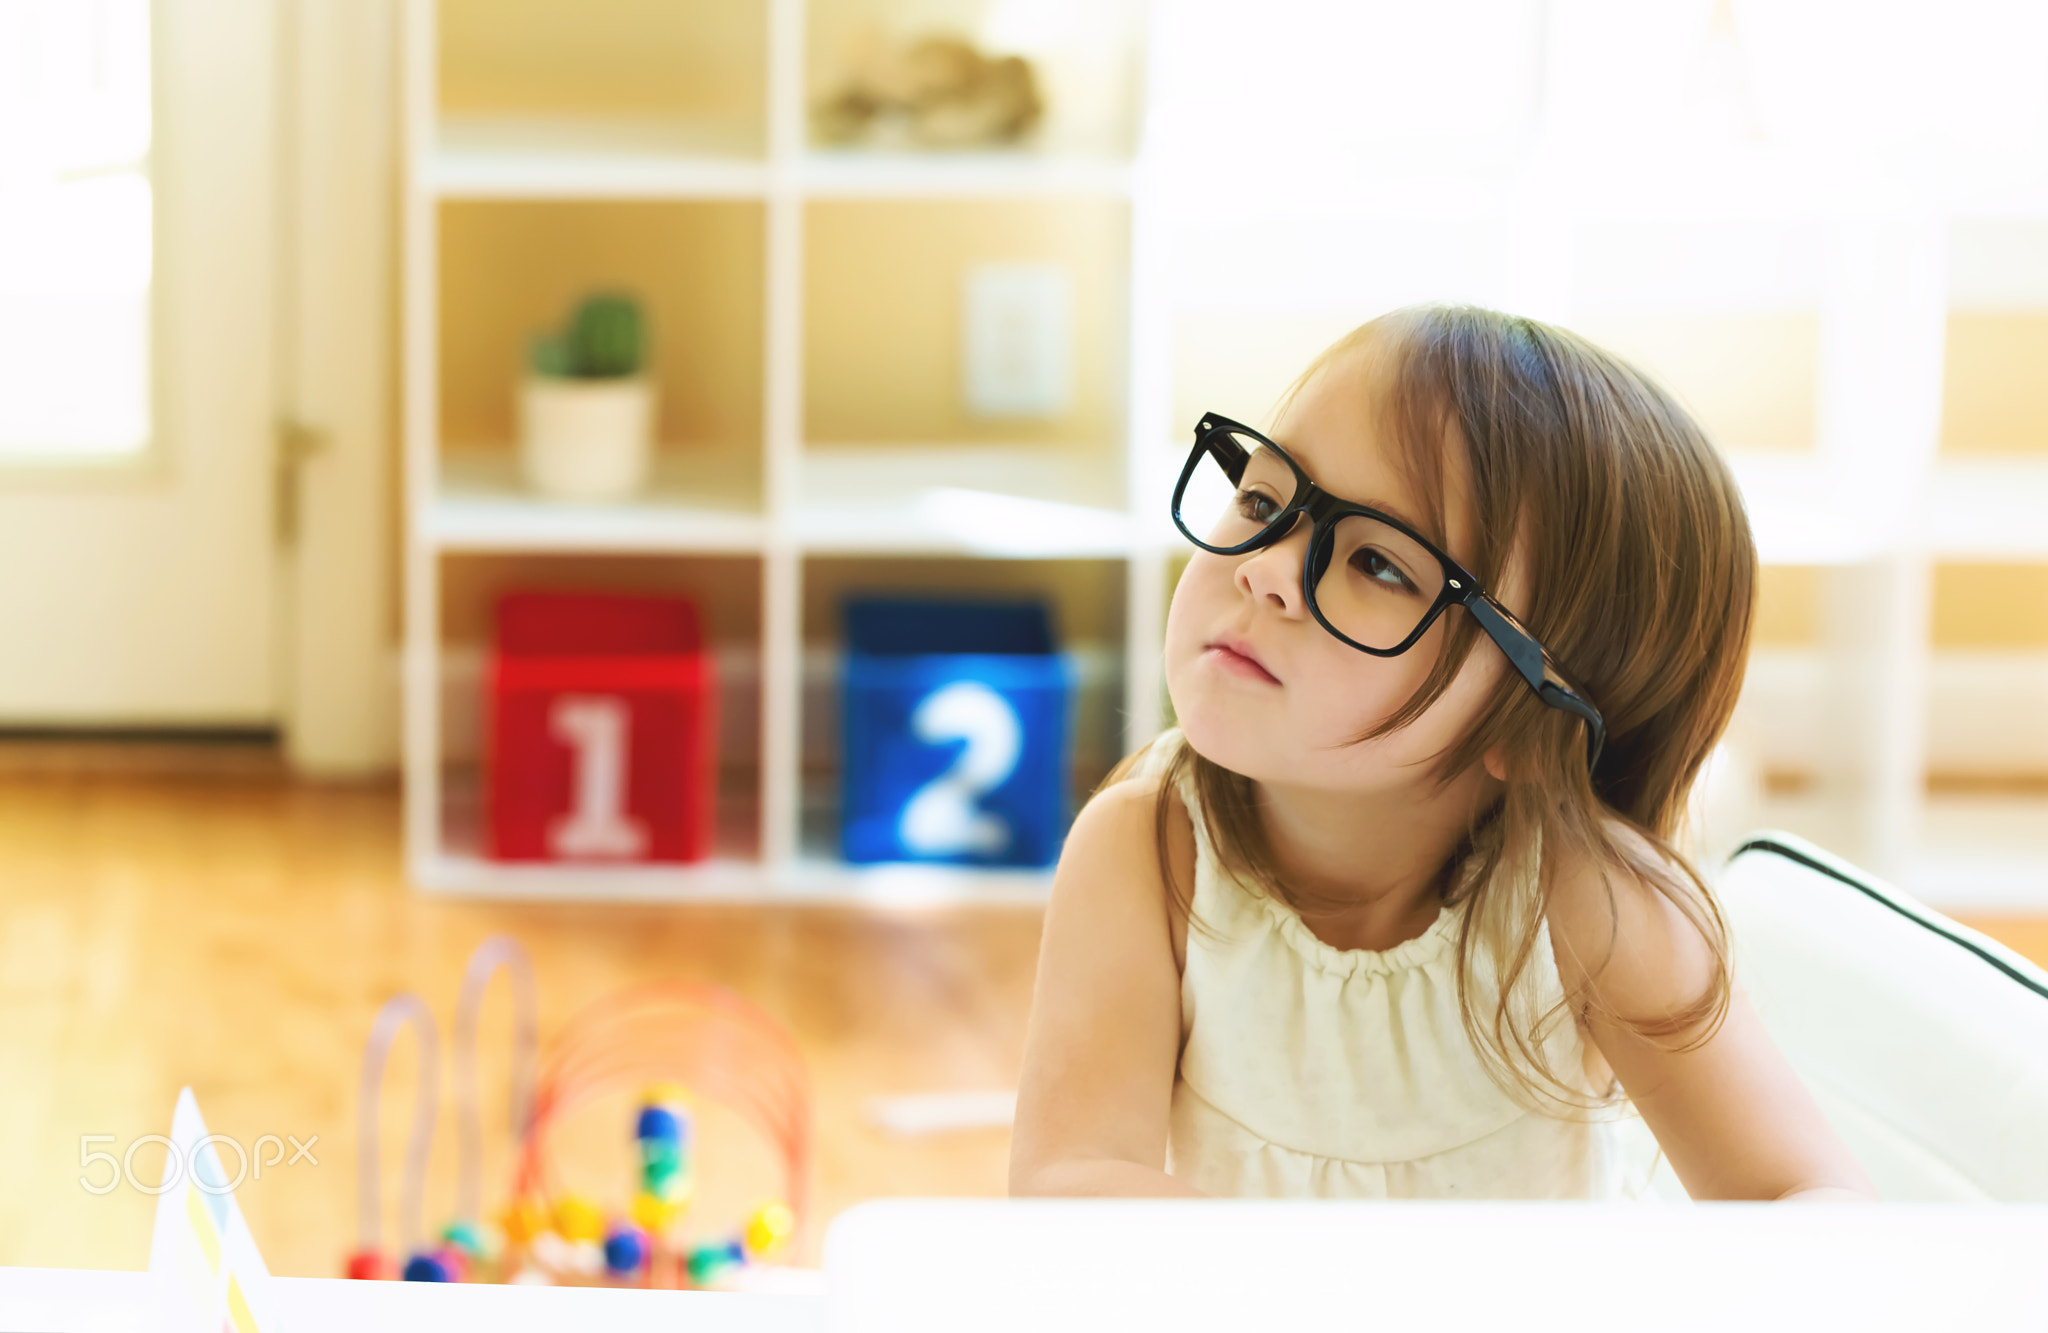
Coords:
137,542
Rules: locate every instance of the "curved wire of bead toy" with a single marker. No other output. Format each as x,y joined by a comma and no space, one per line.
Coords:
398,1013
499,953
682,1041
719,1046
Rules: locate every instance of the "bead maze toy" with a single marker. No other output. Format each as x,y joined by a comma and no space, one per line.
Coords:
681,1044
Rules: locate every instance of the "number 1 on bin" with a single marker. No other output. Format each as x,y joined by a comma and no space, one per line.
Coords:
597,729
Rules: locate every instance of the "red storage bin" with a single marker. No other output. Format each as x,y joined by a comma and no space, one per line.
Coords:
603,730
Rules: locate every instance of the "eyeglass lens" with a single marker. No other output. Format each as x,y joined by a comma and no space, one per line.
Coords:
1378,582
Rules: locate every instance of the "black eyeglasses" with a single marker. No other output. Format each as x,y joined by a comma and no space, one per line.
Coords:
1368,577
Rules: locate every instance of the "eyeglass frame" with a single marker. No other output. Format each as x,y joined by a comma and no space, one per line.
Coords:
1324,510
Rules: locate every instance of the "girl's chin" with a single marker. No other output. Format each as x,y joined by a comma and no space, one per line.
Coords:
1266,750
1227,745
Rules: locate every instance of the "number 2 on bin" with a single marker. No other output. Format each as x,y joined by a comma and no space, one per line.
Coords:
941,818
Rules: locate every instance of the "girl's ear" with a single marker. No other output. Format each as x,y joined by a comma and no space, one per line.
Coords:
1496,765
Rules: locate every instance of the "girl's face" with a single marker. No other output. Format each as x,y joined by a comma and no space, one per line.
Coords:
1259,686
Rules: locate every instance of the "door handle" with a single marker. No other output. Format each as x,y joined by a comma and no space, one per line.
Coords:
297,443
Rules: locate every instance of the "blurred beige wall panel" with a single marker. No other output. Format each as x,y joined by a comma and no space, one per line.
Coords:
512,269
1240,363
1987,712
1987,718
1750,379
882,317
1991,606
1788,606
1995,383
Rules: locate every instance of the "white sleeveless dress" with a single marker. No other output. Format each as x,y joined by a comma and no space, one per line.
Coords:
1313,1072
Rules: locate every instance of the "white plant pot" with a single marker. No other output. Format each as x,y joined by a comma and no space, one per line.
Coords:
586,439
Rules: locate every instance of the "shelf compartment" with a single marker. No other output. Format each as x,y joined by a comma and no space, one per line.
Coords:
509,270
628,59
910,260
726,591
702,501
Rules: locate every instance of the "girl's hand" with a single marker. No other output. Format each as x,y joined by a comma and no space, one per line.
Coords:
1730,1113
1104,1039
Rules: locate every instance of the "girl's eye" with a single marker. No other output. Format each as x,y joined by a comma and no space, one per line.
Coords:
1257,506
1381,570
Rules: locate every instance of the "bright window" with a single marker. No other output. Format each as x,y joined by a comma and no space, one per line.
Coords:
75,224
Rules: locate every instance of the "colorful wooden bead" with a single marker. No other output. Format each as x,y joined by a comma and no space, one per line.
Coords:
455,1261
427,1268
369,1265
659,1123
767,1229
522,1220
706,1262
625,1250
578,1219
656,1215
480,1243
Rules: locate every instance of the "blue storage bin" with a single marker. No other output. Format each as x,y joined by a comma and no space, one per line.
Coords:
957,729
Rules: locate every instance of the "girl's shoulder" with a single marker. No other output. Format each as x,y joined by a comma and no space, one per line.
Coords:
1136,836
1639,936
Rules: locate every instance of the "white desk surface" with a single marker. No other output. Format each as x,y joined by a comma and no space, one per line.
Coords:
938,1266
63,1300
1246,1266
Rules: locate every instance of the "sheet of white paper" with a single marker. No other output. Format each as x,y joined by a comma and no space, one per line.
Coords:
204,1266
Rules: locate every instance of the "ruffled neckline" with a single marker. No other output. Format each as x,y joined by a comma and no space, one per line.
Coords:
1407,956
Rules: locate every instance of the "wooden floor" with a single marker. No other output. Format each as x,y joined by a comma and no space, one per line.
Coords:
238,934
226,929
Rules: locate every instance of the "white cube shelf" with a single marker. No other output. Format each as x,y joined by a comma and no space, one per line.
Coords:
790,501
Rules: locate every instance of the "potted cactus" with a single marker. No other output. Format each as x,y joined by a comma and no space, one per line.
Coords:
586,411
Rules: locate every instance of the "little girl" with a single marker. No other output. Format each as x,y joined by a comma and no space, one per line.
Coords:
1395,912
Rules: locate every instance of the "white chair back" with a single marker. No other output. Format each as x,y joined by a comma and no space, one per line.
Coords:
1925,1042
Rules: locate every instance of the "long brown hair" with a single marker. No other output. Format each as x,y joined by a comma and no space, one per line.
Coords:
1641,578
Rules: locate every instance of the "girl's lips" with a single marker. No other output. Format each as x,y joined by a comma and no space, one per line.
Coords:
1237,659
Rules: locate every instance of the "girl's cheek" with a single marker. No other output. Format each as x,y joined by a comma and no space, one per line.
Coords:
1194,597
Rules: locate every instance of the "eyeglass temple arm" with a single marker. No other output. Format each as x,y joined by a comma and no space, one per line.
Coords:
1527,656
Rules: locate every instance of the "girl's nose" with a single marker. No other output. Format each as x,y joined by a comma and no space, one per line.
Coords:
1272,575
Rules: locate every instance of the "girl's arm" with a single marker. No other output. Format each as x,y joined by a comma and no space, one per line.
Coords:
1104,1039
1732,1116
